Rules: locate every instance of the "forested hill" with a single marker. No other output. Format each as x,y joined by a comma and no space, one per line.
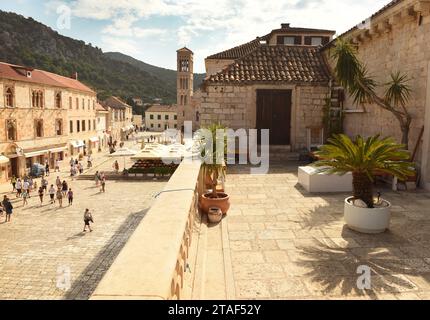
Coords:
25,41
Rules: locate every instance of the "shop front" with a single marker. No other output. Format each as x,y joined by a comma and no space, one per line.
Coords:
77,147
94,144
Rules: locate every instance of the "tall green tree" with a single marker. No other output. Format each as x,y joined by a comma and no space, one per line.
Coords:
353,75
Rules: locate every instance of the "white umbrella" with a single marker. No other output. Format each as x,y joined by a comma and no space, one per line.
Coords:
123,152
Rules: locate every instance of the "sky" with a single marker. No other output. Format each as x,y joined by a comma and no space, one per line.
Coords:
152,30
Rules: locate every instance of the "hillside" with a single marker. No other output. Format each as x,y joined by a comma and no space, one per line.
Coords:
166,75
30,43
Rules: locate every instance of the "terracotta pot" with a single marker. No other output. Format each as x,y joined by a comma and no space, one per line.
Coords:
222,202
214,215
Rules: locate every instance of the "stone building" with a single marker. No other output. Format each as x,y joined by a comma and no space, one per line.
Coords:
119,119
101,126
82,122
161,117
34,117
396,39
279,82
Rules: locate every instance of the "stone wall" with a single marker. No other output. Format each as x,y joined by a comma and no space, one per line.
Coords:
153,263
235,107
402,45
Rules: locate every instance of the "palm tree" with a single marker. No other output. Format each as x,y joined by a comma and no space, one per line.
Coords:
364,158
355,78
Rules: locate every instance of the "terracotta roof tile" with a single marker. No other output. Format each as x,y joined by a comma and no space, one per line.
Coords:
116,103
162,108
18,73
239,51
280,63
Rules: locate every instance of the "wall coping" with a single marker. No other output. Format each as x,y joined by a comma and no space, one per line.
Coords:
145,267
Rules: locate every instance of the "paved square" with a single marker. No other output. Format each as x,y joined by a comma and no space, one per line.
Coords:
286,243
42,244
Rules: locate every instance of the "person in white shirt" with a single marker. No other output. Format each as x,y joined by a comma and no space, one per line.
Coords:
52,192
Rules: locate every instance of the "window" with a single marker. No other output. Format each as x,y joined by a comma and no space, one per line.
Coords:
77,103
58,100
37,98
94,124
151,116
9,97
152,125
185,100
175,125
38,126
165,127
289,40
83,125
83,104
89,104
89,123
159,125
175,117
59,127
159,117
70,103
71,126
78,126
166,117
184,65
94,105
316,41
11,129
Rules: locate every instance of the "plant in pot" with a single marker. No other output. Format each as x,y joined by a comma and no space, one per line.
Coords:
365,159
213,166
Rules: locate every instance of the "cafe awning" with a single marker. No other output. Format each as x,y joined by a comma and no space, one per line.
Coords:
35,153
4,160
59,149
94,139
77,143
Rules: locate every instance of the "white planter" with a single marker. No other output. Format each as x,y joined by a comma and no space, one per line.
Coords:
367,220
314,180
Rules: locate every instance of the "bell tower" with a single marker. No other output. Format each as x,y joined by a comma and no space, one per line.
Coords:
184,85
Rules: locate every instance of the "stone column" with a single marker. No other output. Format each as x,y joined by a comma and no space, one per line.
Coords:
425,160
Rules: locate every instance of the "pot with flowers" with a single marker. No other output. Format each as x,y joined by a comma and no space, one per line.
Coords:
365,158
213,166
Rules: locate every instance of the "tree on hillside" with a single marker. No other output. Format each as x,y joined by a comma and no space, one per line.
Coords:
355,78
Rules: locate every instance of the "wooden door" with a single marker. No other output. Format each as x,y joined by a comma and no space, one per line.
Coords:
274,113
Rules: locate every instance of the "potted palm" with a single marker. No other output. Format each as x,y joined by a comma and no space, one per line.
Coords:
213,166
365,159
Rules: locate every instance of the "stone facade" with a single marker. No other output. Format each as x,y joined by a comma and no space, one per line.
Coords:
119,118
236,107
159,118
29,145
397,40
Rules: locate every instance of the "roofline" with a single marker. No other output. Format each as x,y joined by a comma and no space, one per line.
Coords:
385,8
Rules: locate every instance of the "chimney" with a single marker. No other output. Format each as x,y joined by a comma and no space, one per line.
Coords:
75,75
285,25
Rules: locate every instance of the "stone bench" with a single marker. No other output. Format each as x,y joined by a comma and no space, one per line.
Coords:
313,180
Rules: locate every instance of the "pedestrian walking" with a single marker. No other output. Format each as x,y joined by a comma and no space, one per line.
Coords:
72,161
97,178
80,168
44,184
25,187
103,183
8,208
89,161
116,166
64,187
24,197
47,168
30,184
41,194
58,183
70,196
60,197
88,218
18,188
52,193
13,181
57,165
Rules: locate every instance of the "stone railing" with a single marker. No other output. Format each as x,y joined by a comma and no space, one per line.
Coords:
152,263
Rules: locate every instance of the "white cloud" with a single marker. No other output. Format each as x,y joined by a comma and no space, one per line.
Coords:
123,45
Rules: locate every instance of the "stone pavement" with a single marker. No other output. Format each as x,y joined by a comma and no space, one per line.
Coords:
280,242
43,244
